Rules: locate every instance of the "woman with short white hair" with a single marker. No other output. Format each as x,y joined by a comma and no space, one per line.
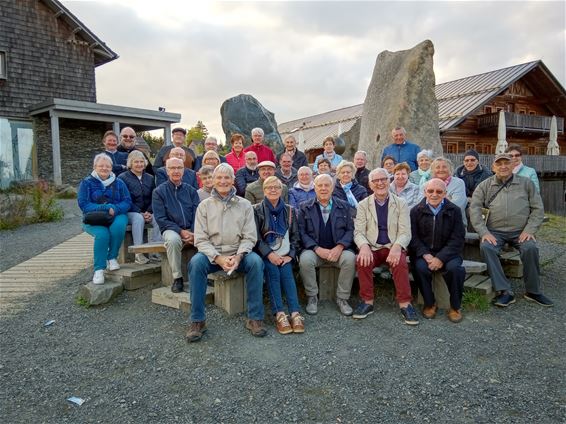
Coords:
424,158
347,188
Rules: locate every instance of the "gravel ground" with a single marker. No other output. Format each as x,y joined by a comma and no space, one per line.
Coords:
131,364
28,241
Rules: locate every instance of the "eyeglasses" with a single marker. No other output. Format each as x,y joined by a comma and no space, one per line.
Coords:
432,191
175,168
128,136
380,180
515,155
273,188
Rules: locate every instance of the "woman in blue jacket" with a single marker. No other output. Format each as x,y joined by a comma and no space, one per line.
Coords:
303,189
347,188
102,191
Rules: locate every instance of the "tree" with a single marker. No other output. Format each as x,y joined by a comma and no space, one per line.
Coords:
197,133
154,142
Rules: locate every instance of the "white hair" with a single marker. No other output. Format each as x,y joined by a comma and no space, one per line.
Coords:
378,171
257,131
101,156
225,169
427,153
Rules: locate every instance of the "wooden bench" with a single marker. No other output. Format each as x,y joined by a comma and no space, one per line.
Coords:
229,291
124,255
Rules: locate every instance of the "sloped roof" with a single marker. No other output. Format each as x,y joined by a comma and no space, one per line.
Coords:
456,100
102,53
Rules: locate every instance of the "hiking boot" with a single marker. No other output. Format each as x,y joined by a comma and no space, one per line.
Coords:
429,312
454,315
177,286
113,265
256,327
410,315
298,323
312,305
504,299
155,257
363,310
195,331
541,299
141,259
98,277
282,324
344,306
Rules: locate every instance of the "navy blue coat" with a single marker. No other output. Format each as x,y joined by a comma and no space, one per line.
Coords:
244,176
189,177
341,221
299,159
175,207
140,191
357,189
119,160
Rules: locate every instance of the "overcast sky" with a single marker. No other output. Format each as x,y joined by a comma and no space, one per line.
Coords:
301,58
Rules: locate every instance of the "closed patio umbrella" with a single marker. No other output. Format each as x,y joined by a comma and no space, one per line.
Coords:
501,136
553,149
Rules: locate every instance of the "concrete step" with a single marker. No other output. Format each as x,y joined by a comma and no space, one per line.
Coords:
164,296
135,276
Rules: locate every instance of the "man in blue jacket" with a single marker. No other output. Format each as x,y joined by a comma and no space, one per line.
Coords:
402,150
189,176
174,207
326,226
246,175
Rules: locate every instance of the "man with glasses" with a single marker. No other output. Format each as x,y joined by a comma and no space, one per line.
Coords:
471,172
254,191
178,140
211,143
436,245
189,176
382,234
128,144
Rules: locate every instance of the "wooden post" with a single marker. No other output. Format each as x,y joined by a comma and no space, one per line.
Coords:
56,148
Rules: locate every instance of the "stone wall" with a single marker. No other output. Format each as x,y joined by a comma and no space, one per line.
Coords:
80,141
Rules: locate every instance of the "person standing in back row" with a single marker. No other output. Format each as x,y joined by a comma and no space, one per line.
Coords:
401,150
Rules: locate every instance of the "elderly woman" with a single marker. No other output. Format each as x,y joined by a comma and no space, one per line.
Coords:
347,188
424,159
278,244
402,187
210,158
516,153
236,158
324,167
328,144
110,142
140,185
303,189
102,192
388,163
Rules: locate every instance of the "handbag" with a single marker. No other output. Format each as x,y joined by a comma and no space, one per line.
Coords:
102,218
281,245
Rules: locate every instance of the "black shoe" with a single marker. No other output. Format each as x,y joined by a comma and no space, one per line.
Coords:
541,299
177,286
363,310
504,299
410,315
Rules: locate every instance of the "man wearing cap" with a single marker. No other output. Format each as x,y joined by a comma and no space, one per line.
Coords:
211,143
261,150
515,214
247,174
254,191
471,172
298,157
128,144
178,140
401,149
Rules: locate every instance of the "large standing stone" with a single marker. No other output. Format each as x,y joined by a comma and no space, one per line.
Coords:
242,113
401,93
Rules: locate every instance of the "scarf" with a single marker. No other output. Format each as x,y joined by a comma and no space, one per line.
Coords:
225,199
277,221
349,195
517,168
329,156
107,182
305,187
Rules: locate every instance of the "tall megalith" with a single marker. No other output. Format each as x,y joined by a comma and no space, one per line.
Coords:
401,93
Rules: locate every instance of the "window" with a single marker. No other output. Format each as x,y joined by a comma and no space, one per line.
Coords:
522,111
487,149
452,147
470,146
3,66
488,109
532,112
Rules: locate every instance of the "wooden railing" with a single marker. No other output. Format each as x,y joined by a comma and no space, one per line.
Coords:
520,122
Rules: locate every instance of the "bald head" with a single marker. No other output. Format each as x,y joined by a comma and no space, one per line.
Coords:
434,191
128,137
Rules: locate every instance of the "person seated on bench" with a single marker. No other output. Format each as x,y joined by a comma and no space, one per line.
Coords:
326,226
225,235
102,191
174,207
515,214
189,176
140,185
437,244
278,245
254,191
247,174
382,233
205,176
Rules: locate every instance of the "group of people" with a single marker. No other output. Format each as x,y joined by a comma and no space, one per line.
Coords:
260,215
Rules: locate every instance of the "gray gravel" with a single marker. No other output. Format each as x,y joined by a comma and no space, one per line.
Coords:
130,361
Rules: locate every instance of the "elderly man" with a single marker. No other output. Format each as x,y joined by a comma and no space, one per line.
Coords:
254,191
299,159
261,150
471,172
178,140
382,234
436,245
402,150
174,207
225,234
189,176
210,144
326,226
286,173
128,144
515,214
362,173
246,175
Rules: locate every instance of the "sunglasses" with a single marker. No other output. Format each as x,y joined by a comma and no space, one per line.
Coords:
431,191
514,155
128,136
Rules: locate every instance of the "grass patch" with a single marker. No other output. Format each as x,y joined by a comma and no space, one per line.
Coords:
473,300
553,231
81,301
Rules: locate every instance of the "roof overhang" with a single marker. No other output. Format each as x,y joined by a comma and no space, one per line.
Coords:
142,119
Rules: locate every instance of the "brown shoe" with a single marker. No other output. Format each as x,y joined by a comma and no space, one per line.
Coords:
429,312
282,324
195,331
256,327
298,323
454,315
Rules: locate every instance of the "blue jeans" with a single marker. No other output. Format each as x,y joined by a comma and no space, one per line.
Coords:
251,266
107,240
281,277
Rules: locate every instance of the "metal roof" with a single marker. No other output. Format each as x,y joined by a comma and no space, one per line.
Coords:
456,100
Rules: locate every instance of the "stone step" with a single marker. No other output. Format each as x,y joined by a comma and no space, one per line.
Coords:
97,294
164,296
135,276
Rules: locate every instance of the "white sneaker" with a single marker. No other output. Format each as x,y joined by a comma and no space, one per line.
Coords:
113,265
98,277
141,259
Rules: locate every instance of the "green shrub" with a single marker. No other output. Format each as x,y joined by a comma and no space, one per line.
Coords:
473,300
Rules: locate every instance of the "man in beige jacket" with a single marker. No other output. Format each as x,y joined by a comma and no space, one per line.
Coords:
382,232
